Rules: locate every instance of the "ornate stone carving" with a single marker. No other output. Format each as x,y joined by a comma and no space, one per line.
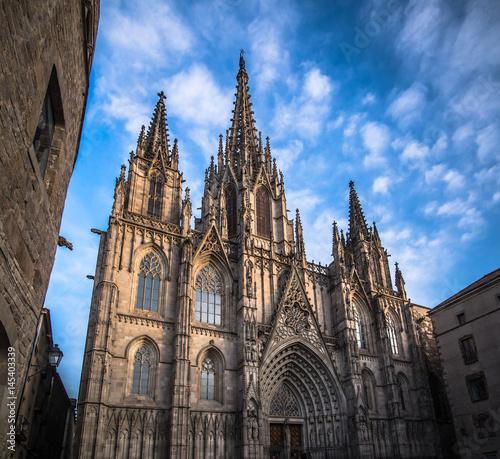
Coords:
295,320
284,403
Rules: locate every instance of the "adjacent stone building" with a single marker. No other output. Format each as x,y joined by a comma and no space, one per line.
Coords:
47,414
46,51
466,328
223,340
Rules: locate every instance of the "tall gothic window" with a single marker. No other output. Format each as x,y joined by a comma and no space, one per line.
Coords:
140,379
148,290
51,116
368,390
208,297
391,330
263,212
404,396
231,211
360,329
155,196
208,379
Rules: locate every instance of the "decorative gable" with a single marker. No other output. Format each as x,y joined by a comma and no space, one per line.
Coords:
295,318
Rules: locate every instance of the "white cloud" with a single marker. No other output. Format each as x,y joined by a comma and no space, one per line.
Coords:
381,185
285,157
352,125
462,133
137,31
415,151
488,142
194,97
435,173
316,85
335,124
307,113
420,32
454,179
376,138
368,99
408,105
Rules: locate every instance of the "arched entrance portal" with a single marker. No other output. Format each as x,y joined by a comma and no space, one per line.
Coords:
286,424
302,405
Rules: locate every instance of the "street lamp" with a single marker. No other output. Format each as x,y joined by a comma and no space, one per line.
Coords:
55,356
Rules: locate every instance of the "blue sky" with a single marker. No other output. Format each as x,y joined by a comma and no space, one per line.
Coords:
401,96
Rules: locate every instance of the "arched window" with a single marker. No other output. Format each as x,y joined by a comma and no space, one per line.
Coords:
231,211
148,290
360,329
391,331
155,196
208,297
263,212
142,363
207,391
369,390
404,396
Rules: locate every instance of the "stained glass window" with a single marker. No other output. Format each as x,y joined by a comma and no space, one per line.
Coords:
391,330
140,380
155,196
263,212
208,379
148,289
360,329
208,297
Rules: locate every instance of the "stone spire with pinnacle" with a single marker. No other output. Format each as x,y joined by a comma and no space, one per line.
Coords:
299,236
400,282
357,223
243,140
156,143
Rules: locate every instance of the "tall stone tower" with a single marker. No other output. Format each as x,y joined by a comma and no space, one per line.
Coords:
222,340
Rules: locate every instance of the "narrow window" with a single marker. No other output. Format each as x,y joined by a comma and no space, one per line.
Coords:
148,290
44,133
461,318
403,394
155,196
360,329
140,380
263,213
208,297
368,390
477,387
51,117
391,330
231,211
208,379
468,348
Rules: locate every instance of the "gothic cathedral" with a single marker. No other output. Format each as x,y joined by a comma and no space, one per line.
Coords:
224,341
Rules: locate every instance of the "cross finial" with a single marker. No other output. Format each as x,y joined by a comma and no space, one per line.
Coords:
162,95
351,184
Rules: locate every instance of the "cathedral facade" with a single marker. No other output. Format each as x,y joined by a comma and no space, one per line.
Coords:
224,341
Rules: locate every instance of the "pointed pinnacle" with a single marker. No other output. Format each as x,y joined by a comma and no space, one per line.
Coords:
335,232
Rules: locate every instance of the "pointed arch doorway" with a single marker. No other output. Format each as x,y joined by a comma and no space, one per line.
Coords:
302,404
285,424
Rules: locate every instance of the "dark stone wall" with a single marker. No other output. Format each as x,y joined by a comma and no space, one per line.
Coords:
38,41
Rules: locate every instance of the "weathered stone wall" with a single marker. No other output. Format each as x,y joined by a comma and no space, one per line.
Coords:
37,40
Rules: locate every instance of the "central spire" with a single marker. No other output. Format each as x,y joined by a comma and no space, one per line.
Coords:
243,140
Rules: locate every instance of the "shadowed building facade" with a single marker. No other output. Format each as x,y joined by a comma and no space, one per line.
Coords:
46,52
223,340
